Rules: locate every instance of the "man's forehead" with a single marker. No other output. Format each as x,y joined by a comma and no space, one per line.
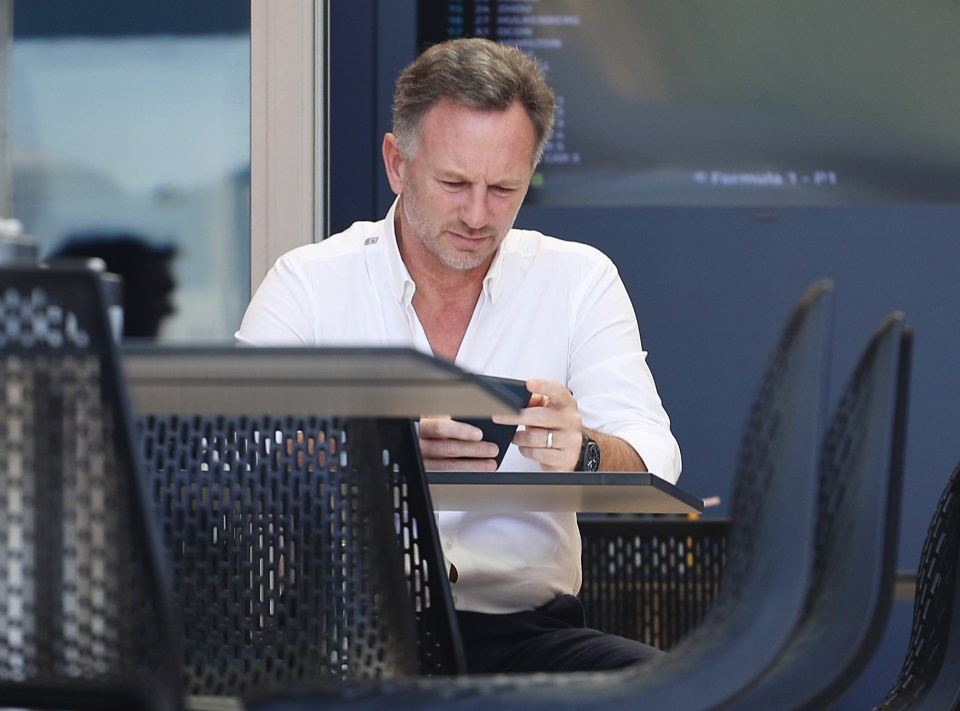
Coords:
456,126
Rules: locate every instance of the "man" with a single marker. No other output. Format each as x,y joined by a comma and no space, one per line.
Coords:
446,273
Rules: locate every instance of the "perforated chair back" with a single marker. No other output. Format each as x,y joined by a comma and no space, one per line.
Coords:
304,550
85,616
928,679
769,552
851,592
651,578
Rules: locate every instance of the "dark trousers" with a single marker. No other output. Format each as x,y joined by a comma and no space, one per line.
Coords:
553,637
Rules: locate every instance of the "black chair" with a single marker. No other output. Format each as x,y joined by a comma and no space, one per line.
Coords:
654,579
768,565
928,680
85,613
767,571
304,550
651,578
851,593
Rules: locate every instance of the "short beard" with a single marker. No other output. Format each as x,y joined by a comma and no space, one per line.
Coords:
460,261
429,238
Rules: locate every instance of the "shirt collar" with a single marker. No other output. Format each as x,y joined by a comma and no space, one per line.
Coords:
494,277
401,284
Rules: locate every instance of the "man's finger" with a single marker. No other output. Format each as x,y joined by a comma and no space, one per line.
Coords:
445,428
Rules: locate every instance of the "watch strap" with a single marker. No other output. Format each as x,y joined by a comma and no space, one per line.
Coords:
589,460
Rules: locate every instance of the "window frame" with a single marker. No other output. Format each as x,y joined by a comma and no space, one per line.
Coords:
288,128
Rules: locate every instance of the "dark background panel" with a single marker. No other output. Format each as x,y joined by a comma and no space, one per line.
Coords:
353,143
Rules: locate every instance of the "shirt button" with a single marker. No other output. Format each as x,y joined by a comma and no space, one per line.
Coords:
455,600
448,543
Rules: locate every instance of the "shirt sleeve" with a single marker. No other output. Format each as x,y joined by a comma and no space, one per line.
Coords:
281,311
610,377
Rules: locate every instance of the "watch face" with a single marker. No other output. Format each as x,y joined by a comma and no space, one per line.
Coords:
591,458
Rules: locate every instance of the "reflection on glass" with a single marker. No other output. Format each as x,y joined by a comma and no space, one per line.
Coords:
141,134
748,103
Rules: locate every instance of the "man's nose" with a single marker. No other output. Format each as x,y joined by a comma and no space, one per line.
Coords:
474,211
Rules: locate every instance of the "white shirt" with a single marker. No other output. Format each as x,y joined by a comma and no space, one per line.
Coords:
548,309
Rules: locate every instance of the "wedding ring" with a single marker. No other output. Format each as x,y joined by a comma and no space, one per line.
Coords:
549,439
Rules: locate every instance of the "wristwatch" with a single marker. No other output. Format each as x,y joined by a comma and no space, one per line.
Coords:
589,455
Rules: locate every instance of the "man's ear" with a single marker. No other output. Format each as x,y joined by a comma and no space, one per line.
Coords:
393,162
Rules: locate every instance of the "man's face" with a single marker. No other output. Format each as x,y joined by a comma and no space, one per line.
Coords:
462,188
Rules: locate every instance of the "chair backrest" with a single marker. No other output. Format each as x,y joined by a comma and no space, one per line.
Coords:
851,591
769,555
928,679
651,578
85,614
304,550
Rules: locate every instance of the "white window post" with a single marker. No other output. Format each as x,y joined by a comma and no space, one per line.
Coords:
288,80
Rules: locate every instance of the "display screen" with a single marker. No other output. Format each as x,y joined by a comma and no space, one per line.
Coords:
736,102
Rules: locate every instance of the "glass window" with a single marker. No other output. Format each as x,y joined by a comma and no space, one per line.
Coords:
129,138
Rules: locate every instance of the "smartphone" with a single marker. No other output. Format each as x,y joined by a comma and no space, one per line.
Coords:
500,435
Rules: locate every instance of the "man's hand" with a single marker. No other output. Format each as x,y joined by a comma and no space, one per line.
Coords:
551,431
448,445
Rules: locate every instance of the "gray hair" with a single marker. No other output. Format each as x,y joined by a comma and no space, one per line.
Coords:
477,73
